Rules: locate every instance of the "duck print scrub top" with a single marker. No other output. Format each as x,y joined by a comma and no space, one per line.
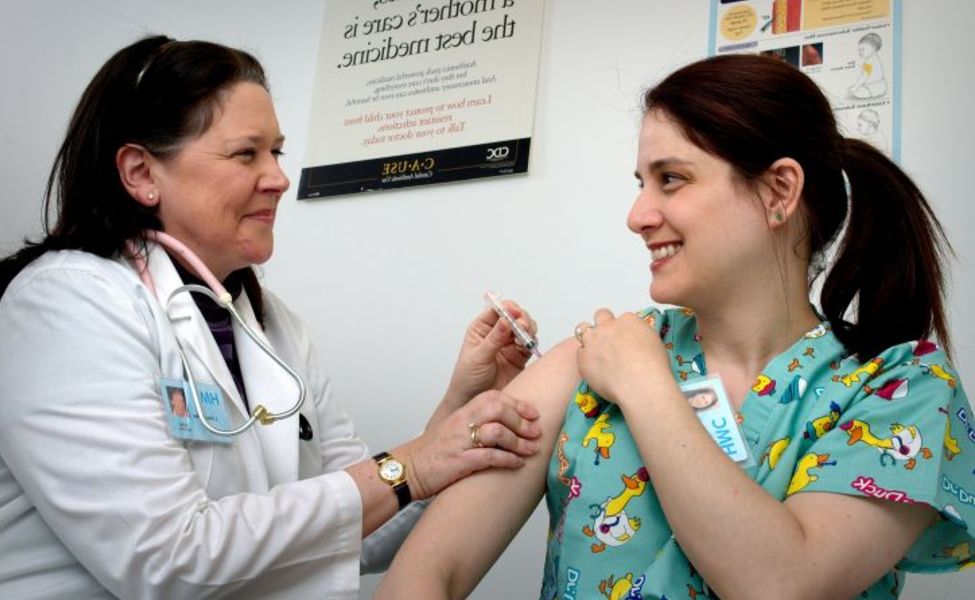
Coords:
897,427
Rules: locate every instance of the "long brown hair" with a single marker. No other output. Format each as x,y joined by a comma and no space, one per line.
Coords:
890,265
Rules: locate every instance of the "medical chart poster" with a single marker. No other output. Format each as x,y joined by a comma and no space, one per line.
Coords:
851,48
422,91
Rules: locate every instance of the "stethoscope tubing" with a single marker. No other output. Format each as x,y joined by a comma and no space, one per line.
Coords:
219,294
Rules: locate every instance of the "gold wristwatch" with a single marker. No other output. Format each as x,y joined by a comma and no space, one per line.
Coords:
393,472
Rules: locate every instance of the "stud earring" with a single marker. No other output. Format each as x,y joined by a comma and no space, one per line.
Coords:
152,196
777,217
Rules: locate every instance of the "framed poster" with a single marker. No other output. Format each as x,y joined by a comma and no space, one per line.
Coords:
414,93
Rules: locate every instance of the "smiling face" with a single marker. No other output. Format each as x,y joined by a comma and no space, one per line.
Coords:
220,191
708,236
702,399
177,402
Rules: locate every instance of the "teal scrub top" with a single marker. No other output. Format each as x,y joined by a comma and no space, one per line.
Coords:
897,427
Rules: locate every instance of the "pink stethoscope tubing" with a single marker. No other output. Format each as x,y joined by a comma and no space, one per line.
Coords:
215,290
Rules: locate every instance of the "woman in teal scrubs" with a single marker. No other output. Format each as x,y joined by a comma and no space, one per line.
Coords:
750,444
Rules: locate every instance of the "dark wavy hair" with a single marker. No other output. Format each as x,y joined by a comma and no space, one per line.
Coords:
890,264
157,93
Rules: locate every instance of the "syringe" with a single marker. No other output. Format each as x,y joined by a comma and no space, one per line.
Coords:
527,341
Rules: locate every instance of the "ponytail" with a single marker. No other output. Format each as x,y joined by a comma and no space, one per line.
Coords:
890,264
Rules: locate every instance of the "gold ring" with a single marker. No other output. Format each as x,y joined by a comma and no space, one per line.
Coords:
475,434
580,331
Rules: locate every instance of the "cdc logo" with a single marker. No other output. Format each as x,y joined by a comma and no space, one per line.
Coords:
498,153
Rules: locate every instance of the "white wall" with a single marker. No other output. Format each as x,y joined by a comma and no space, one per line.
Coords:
387,281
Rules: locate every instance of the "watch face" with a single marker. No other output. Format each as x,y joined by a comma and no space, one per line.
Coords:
391,470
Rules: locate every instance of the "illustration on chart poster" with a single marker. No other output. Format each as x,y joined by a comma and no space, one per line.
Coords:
851,48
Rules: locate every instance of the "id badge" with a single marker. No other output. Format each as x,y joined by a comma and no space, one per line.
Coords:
183,420
710,402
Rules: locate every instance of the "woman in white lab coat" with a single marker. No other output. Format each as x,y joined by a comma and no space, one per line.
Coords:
108,490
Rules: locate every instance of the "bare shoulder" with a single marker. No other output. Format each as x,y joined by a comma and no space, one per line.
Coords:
548,382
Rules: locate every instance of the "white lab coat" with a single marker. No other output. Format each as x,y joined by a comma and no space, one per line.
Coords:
97,499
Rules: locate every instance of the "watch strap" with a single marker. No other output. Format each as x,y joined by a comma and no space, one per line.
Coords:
403,494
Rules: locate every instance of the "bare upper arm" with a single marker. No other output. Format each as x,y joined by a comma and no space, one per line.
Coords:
470,523
548,384
855,540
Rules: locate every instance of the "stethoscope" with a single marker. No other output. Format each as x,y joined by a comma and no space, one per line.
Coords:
222,297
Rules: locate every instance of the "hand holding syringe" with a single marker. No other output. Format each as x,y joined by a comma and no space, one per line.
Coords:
493,300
